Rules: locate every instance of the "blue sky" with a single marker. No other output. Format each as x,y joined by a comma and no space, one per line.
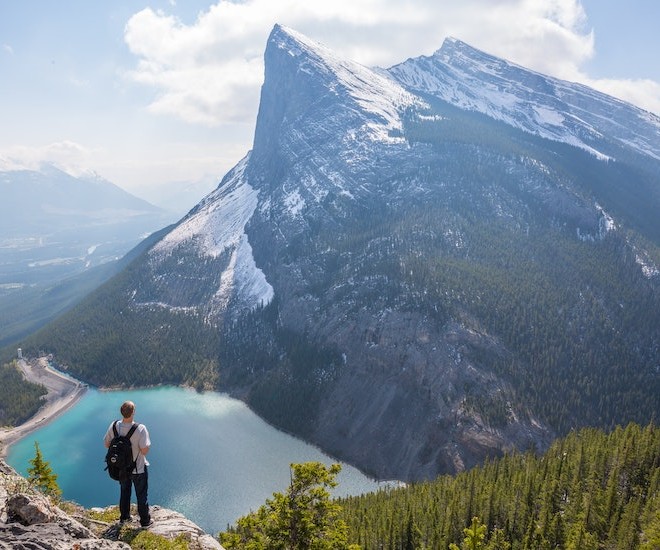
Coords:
152,92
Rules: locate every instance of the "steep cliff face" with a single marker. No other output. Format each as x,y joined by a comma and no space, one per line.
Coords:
401,406
413,268
330,150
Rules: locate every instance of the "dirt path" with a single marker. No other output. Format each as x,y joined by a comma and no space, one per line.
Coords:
63,392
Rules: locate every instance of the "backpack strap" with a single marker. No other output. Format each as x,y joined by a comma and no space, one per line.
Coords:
128,435
134,427
132,430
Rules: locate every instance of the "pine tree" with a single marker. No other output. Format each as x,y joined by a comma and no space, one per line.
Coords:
474,536
589,490
498,541
651,535
41,475
412,535
303,518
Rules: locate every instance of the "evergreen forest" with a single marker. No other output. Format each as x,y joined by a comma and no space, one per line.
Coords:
19,399
591,490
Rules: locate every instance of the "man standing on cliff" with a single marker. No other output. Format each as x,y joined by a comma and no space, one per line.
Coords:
140,443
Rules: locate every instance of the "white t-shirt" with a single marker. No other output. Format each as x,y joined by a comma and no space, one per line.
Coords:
139,440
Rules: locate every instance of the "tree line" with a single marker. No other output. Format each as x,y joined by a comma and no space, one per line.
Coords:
19,399
590,490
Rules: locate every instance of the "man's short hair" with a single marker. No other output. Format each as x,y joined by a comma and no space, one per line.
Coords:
127,409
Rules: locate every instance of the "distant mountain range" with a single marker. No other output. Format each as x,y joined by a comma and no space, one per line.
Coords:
414,268
59,238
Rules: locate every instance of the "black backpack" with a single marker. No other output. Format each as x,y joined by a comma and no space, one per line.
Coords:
119,458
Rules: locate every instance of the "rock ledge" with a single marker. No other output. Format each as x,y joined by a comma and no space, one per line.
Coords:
28,520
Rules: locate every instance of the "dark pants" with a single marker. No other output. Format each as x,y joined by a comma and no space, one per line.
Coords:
141,483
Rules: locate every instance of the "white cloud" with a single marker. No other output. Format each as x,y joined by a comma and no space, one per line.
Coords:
8,49
210,71
644,93
135,169
203,73
69,156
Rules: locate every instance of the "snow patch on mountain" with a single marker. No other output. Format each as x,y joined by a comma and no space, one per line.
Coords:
163,305
648,267
242,280
218,225
605,224
494,99
294,203
548,117
643,260
218,222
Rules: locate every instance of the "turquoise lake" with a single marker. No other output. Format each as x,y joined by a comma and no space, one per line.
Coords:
212,458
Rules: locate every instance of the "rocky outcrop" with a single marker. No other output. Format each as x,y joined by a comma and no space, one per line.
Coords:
171,524
29,520
407,370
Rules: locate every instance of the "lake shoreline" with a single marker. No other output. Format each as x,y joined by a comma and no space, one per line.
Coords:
213,459
63,393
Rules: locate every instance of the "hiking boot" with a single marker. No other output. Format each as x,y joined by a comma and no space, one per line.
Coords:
148,524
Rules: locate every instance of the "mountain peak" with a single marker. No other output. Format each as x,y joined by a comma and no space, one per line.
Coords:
295,42
359,82
473,80
452,43
301,73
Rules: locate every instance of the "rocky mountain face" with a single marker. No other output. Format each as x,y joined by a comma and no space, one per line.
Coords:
414,268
